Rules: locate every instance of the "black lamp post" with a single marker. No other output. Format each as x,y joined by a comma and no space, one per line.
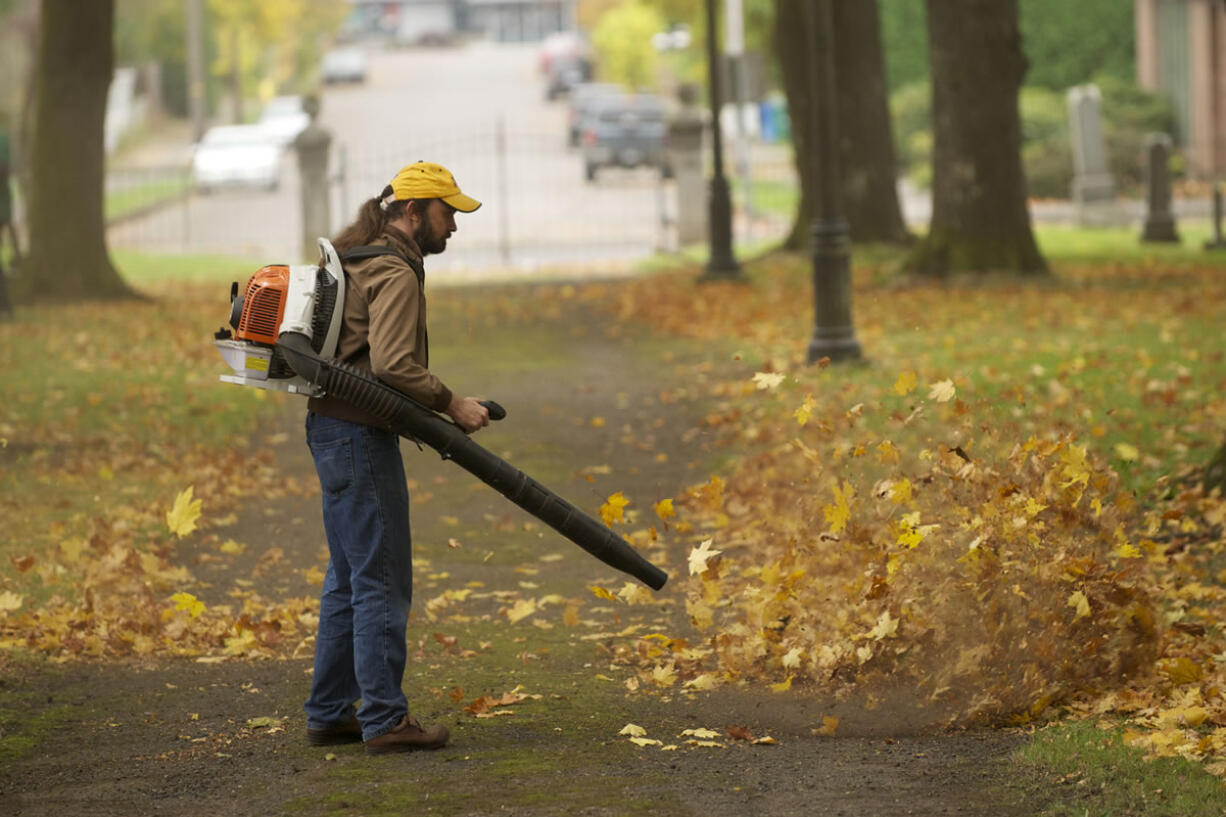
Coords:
722,265
834,336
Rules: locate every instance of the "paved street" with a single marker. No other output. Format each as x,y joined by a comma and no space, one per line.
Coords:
480,110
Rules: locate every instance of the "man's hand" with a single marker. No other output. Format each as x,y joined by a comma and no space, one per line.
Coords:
469,414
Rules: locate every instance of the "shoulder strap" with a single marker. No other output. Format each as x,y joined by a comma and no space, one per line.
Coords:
364,251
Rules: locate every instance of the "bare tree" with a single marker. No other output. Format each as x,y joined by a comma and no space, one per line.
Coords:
868,169
980,222
67,257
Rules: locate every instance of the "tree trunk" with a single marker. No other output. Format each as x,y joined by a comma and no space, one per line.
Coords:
980,222
868,170
1215,471
67,257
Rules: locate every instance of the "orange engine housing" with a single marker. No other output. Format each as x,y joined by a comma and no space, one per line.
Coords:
263,305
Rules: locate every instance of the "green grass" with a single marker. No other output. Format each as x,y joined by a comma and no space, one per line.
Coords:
1094,774
155,191
146,270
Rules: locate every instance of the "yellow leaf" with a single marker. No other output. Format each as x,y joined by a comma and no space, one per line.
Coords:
830,725
182,516
189,603
942,392
702,733
71,548
699,556
1080,603
602,593
886,627
1127,551
632,593
597,422
905,384
9,601
792,659
1126,452
646,742
314,576
702,683
805,412
782,686
768,380
664,676
231,547
521,610
900,492
611,510
1181,670
838,513
633,730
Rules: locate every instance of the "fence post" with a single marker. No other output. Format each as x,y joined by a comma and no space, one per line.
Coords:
504,237
312,145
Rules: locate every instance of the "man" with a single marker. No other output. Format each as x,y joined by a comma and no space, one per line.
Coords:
360,648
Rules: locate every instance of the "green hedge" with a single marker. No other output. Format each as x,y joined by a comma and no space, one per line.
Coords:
1129,113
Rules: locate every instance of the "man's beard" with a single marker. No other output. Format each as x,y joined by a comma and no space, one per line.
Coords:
427,241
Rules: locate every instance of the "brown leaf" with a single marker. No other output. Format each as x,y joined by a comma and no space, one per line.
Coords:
739,732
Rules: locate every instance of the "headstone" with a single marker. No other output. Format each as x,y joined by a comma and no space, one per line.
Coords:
685,133
1217,242
1093,191
1159,220
312,146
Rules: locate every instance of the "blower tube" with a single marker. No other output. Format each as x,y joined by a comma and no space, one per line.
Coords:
409,418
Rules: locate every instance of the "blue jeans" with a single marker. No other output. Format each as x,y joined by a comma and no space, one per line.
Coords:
363,612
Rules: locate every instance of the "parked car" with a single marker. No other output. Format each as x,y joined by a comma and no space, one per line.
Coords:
626,130
344,65
236,156
581,99
283,119
565,73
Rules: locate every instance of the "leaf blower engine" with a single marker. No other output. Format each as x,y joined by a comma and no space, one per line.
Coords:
286,323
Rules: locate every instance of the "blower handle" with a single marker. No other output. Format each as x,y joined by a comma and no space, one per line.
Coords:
496,411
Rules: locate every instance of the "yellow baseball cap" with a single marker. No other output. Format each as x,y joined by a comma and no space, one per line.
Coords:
427,180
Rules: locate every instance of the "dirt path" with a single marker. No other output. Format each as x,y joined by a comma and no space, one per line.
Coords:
589,415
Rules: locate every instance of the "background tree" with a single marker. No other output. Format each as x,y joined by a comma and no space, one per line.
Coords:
868,170
979,218
67,257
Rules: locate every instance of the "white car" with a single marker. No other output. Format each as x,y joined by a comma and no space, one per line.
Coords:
236,156
344,65
283,119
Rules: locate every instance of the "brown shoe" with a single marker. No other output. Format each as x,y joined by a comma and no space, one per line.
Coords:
407,736
349,731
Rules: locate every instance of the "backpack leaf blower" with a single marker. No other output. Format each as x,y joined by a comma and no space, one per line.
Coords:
286,324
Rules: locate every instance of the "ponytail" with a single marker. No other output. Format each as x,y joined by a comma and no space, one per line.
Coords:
370,223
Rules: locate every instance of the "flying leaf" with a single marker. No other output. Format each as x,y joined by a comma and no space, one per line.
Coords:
231,547
189,603
805,412
768,380
699,556
611,510
1126,452
1080,603
905,384
9,601
664,509
830,725
887,627
182,516
942,391
602,593
792,659
838,513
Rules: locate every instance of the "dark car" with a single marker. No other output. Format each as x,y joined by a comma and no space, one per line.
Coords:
625,130
565,73
582,97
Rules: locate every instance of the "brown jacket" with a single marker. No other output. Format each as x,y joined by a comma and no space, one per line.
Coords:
384,329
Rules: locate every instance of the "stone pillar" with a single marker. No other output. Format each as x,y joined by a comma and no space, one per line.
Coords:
1093,191
1159,220
312,146
685,159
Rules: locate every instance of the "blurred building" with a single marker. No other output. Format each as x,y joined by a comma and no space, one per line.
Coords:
1181,51
440,21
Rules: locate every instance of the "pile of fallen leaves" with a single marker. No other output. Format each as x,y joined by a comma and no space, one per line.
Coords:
970,541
